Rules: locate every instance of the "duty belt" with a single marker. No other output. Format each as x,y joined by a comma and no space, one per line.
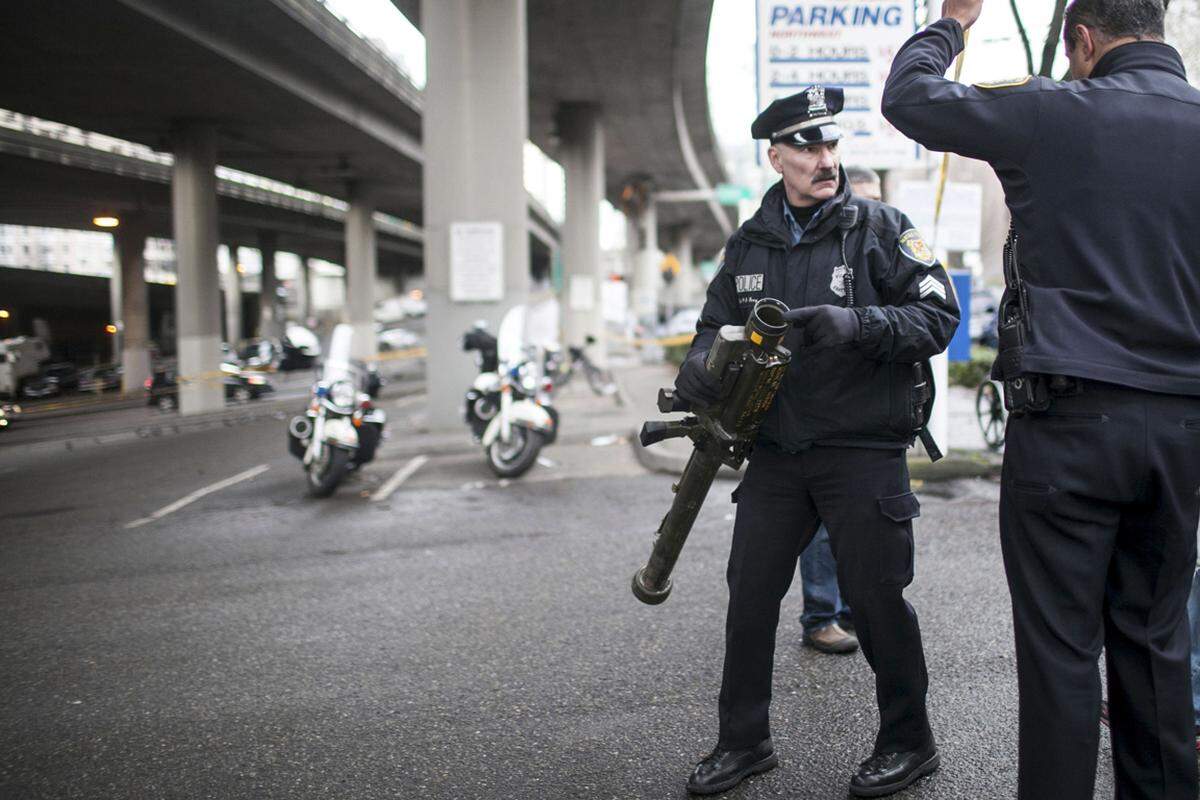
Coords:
1034,391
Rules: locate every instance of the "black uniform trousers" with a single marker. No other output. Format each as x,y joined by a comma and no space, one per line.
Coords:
863,496
1098,516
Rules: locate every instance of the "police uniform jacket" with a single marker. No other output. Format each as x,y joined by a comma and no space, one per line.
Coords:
860,394
1103,180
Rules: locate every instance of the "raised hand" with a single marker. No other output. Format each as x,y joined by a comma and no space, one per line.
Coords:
965,11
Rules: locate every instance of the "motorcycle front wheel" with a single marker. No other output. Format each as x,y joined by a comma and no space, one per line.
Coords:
326,473
514,458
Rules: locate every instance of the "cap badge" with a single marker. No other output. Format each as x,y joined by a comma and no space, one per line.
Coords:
816,101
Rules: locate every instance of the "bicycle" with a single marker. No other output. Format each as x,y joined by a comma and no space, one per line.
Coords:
561,371
991,413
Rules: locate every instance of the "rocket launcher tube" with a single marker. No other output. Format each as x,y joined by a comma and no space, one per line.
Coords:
749,362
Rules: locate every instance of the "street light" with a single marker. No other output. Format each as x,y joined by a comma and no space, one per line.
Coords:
4,313
110,328
105,221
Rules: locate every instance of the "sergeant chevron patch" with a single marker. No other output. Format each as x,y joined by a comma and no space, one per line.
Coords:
931,285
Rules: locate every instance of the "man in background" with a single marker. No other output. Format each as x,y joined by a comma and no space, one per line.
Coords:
865,182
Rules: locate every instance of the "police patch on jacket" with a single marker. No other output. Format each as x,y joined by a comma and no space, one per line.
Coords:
838,282
748,283
913,246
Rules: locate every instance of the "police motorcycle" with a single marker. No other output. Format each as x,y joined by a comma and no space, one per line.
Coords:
509,407
342,427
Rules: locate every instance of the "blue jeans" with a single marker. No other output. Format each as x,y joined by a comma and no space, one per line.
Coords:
1194,624
823,604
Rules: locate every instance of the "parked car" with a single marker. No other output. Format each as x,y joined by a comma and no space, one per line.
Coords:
162,387
682,322
64,373
103,378
39,387
398,339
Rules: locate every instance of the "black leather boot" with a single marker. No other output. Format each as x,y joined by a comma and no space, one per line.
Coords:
887,773
722,770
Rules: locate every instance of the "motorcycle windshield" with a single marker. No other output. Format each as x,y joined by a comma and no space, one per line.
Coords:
510,341
337,361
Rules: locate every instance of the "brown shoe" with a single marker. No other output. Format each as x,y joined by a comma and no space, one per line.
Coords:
831,639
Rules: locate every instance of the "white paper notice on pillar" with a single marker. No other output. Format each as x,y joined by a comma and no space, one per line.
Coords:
582,295
614,298
961,224
847,45
476,262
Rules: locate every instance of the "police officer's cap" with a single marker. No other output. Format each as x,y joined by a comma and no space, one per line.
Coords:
805,118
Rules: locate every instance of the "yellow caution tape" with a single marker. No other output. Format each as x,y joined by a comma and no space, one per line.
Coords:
665,341
400,355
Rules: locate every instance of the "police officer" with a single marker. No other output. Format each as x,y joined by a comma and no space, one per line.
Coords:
1100,355
874,305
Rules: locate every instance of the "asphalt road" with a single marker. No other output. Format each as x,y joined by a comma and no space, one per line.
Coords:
464,638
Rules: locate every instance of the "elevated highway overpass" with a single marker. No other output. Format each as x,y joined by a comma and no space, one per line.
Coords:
284,89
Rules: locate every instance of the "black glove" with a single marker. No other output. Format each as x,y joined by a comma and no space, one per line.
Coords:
826,326
695,384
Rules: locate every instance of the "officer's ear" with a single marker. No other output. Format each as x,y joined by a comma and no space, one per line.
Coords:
775,159
1081,47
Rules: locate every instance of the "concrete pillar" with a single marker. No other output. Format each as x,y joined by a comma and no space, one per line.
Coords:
197,292
132,318
360,272
115,286
688,286
233,300
306,303
474,126
582,156
270,316
647,281
633,239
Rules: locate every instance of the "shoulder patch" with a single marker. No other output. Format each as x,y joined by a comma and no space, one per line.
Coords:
914,246
1008,84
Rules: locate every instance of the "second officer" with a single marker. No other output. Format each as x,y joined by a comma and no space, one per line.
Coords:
875,304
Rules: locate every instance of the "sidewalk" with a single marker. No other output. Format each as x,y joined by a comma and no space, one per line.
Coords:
967,456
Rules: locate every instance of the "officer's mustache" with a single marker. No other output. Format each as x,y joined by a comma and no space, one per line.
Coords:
825,175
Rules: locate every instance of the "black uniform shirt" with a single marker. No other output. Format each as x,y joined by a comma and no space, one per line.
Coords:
1103,180
859,394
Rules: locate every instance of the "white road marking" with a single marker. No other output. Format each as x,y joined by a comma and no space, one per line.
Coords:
196,495
404,473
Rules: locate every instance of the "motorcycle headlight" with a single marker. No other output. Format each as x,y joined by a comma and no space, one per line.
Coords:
342,394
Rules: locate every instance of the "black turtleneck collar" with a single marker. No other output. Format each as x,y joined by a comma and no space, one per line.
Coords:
769,227
1140,55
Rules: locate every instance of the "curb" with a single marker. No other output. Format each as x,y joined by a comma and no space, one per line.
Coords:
959,464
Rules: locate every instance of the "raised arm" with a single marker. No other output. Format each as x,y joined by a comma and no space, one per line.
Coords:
993,122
